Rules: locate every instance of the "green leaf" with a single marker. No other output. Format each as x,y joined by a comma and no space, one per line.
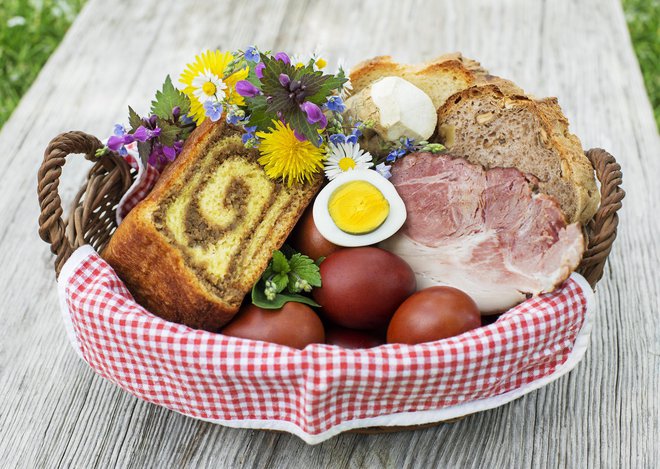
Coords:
280,264
306,269
134,119
281,280
319,260
259,298
144,150
298,120
168,132
333,82
167,99
259,114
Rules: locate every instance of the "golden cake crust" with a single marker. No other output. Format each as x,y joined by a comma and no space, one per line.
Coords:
156,271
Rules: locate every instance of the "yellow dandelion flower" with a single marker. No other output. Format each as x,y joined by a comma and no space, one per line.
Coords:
205,81
283,155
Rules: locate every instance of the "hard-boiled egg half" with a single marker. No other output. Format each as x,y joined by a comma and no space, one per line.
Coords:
358,208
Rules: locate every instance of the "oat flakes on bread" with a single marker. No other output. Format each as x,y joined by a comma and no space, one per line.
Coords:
488,125
191,250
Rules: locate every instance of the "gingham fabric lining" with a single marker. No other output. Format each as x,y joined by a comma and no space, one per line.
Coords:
322,390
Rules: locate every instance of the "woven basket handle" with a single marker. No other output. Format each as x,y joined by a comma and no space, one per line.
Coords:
92,219
601,229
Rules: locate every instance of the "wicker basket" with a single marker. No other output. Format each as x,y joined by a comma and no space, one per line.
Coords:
92,217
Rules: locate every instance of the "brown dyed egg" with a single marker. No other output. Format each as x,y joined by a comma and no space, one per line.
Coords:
351,338
432,314
306,238
363,287
294,325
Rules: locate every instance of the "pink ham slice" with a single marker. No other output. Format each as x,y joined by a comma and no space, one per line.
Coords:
485,232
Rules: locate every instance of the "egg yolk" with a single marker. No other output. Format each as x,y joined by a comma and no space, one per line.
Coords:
358,207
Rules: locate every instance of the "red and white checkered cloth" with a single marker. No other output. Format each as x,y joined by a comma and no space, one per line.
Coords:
322,390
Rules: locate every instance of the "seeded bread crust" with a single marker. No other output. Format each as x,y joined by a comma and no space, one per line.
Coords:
490,126
158,273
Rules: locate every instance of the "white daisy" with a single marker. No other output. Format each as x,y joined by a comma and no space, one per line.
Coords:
344,157
208,87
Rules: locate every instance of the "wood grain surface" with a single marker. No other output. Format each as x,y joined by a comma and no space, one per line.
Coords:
55,412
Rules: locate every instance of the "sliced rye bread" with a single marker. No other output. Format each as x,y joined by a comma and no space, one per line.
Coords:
439,78
489,125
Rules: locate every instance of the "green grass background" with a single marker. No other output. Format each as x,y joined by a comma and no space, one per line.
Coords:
31,29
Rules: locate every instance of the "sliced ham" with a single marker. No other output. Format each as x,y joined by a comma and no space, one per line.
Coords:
485,232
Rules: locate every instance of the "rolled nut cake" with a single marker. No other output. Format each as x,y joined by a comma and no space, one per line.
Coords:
195,246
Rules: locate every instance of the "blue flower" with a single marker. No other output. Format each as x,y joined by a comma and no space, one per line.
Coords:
213,110
384,170
395,154
235,115
249,133
252,54
337,138
119,130
353,138
335,104
408,144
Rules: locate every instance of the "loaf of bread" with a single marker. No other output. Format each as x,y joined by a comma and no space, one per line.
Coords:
490,126
439,78
192,249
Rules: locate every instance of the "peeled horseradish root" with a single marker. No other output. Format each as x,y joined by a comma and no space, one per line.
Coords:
358,207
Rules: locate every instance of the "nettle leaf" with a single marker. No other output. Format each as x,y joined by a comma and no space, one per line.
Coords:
168,132
134,120
306,269
259,298
167,99
280,264
298,120
326,88
144,150
259,114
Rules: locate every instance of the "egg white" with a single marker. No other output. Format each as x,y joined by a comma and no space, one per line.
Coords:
330,231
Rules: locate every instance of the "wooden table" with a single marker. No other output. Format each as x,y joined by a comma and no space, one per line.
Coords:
55,412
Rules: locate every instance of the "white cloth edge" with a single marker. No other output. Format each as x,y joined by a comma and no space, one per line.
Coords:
397,419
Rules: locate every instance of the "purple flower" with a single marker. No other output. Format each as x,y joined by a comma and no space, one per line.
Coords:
169,152
314,113
384,170
247,89
283,57
352,139
115,142
141,134
299,136
259,70
252,54
284,79
335,104
213,110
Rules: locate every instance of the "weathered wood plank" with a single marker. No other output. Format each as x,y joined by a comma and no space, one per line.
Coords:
56,413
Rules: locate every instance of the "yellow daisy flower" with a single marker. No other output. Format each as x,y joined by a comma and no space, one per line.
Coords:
205,81
283,155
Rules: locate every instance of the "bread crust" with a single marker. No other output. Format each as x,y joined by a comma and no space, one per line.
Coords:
576,170
155,271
